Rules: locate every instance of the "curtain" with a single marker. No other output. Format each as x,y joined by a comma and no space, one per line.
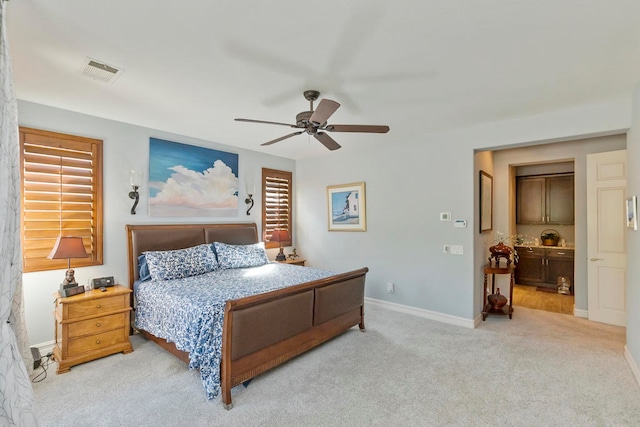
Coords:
16,394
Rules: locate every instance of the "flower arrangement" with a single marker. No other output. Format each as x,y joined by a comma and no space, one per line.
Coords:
514,239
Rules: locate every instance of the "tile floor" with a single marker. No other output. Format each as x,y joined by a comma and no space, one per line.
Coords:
528,296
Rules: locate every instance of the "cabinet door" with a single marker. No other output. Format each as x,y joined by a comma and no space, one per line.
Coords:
531,267
559,199
559,263
530,201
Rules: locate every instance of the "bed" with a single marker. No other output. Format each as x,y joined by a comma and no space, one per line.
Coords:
250,332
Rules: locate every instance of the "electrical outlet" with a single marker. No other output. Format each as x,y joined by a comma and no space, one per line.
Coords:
390,287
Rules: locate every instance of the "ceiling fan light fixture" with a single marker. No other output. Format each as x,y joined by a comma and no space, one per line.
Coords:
314,122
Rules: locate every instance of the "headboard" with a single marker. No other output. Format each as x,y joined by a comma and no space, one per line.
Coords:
163,237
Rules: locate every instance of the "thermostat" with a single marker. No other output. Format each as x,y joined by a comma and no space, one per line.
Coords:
460,223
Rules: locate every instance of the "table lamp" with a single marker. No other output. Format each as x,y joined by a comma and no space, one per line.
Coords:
67,248
280,236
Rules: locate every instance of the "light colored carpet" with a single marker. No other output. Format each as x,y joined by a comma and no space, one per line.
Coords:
539,368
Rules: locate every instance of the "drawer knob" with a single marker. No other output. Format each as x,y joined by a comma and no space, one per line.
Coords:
97,341
98,306
98,324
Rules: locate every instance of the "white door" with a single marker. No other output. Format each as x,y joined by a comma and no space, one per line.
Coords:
606,233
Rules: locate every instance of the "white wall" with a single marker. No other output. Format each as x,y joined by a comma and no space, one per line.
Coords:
125,147
633,241
404,237
576,150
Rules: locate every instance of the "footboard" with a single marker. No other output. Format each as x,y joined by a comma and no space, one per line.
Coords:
263,331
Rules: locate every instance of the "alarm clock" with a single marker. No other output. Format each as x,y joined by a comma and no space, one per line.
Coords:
71,291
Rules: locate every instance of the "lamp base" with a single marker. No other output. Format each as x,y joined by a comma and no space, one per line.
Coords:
69,278
281,256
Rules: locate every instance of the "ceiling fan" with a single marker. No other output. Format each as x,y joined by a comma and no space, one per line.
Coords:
314,122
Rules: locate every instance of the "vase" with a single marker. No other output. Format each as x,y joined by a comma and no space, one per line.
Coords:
500,251
497,300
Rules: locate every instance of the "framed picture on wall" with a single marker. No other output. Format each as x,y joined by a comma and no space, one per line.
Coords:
486,202
346,207
189,181
632,214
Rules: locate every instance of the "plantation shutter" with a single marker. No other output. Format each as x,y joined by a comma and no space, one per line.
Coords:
61,195
276,205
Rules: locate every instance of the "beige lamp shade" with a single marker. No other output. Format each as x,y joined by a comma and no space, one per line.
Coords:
68,247
280,236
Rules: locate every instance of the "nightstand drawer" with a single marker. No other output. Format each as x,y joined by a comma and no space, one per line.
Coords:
95,306
96,342
96,325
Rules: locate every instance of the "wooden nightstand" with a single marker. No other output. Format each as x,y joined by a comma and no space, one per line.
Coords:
295,261
91,325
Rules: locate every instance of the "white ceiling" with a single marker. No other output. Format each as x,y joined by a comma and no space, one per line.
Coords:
421,66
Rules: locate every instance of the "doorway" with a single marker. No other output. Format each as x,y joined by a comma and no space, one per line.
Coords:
544,226
502,164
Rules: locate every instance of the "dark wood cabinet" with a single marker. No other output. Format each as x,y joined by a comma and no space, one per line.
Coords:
530,203
531,266
545,199
542,266
559,263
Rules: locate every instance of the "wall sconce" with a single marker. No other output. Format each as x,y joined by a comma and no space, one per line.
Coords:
249,200
135,179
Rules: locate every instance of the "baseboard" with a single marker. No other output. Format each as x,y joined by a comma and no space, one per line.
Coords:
632,364
426,314
580,313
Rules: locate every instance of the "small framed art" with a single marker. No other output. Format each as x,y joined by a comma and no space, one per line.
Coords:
632,213
347,207
486,202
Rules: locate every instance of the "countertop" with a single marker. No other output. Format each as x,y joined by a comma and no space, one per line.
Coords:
568,247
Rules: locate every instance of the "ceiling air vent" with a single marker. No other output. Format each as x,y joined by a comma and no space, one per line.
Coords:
100,71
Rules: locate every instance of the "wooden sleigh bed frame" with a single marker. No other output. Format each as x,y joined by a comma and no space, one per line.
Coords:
261,331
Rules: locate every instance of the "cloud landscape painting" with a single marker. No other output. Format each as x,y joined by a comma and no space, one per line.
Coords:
186,180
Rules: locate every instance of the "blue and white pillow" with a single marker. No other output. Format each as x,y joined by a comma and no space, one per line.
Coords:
240,256
143,269
168,265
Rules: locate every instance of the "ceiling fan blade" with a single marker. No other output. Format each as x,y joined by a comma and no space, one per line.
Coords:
265,122
327,141
281,138
324,110
357,128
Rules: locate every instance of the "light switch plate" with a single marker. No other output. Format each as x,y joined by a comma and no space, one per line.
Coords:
456,250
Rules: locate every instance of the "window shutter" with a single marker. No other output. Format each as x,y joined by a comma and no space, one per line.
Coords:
276,204
61,194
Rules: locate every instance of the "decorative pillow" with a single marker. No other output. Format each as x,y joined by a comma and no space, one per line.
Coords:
168,265
143,269
240,256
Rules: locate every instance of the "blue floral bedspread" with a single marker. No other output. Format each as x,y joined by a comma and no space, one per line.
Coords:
190,311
